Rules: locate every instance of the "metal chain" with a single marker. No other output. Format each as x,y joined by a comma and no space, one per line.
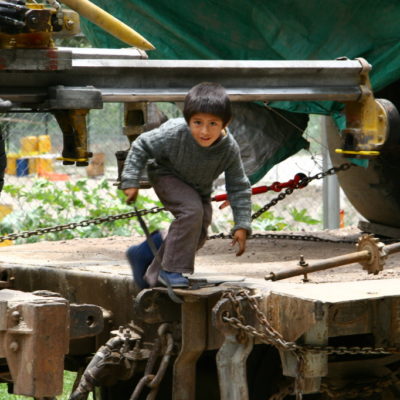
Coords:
284,236
272,337
152,381
84,223
154,210
303,182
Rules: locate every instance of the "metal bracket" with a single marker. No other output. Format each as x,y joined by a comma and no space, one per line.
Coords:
74,98
367,121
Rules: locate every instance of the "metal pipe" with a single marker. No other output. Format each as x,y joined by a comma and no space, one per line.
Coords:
133,79
109,23
333,262
392,248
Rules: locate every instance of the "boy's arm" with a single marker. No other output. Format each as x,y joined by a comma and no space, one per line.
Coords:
239,194
134,164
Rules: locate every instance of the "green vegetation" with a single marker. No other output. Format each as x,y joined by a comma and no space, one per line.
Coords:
48,204
69,378
268,221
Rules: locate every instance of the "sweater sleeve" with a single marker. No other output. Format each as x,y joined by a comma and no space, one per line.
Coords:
145,147
239,193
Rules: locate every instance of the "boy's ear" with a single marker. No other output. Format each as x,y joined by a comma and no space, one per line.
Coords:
227,123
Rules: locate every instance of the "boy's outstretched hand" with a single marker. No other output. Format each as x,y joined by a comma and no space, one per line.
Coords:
240,237
131,194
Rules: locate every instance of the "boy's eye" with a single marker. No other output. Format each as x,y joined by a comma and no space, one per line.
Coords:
213,123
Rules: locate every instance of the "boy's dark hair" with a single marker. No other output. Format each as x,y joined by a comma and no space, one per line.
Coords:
208,98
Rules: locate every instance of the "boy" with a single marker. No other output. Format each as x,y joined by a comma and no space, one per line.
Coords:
189,154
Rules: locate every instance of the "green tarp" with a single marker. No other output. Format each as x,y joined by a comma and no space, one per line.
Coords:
266,30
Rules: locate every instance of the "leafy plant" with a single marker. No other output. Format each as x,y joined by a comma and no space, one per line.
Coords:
268,221
52,204
302,216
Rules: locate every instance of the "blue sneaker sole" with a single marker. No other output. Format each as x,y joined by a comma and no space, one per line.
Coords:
173,285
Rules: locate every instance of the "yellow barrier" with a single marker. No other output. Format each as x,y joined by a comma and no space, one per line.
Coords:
29,145
44,144
11,164
5,209
44,165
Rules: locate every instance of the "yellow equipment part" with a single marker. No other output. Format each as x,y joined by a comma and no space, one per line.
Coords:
358,153
109,23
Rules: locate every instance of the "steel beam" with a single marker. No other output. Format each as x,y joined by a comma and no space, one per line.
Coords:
194,337
123,76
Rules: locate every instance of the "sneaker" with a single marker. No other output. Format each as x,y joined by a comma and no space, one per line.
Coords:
140,257
174,279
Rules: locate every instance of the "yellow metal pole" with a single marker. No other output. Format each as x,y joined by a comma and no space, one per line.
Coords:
109,23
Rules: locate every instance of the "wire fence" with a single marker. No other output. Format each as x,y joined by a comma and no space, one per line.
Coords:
34,142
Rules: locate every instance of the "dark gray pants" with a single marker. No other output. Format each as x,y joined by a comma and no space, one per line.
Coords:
187,233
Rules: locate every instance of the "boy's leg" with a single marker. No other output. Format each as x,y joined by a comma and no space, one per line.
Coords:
186,231
207,217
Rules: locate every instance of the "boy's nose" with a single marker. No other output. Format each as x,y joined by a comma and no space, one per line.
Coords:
204,129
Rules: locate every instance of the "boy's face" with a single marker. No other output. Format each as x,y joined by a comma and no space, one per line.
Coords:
206,128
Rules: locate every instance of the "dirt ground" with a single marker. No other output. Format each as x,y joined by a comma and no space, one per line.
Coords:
217,257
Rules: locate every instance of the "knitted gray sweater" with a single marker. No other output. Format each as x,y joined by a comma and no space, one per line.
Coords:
175,152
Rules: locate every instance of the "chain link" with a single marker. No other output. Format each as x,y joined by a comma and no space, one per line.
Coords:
87,222
271,336
152,381
284,236
154,210
301,184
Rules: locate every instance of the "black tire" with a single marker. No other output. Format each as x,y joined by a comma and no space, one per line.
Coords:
375,191
3,161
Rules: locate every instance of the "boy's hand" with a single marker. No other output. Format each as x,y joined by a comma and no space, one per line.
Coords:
240,237
131,194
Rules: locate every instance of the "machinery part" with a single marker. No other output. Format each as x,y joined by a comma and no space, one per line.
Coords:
73,126
231,361
371,255
141,117
104,367
377,253
300,181
31,25
26,25
86,321
378,181
3,161
34,336
109,23
165,345
123,79
269,324
300,184
367,121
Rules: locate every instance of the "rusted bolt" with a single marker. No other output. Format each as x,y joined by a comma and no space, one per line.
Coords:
16,316
14,346
127,334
